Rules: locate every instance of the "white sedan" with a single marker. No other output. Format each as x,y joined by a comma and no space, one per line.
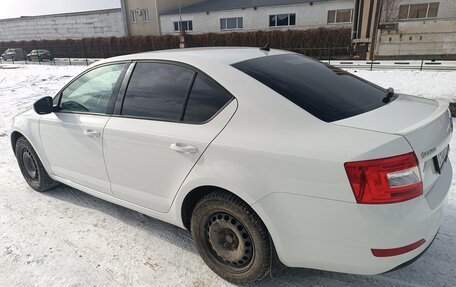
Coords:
260,153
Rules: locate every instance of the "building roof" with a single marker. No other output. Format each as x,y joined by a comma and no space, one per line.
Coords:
90,12
218,5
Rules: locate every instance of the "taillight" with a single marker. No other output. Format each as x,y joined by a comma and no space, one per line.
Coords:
386,180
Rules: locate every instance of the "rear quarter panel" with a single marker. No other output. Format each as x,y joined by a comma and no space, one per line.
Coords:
273,146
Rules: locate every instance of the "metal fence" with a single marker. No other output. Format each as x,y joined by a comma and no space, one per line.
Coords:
54,62
421,65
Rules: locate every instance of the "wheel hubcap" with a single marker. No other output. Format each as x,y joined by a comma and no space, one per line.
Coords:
29,164
230,241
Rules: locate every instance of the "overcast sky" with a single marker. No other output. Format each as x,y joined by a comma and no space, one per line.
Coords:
17,8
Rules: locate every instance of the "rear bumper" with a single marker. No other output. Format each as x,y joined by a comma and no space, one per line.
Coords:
317,233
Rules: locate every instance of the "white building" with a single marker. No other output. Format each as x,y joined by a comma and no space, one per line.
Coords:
251,15
421,28
99,23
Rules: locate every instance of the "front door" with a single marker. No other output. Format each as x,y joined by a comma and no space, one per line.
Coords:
72,137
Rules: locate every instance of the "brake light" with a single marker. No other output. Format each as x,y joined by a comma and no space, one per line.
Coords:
386,180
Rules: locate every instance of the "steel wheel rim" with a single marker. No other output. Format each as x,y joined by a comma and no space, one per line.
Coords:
229,242
29,164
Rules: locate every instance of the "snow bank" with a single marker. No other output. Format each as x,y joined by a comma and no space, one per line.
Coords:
429,84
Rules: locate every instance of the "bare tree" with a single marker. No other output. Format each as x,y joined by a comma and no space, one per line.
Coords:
390,10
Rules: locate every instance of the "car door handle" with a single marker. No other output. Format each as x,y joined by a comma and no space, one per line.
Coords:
183,148
92,133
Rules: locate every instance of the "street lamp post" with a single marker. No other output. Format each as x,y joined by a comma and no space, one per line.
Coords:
181,29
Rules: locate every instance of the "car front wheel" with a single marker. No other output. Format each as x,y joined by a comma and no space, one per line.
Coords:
31,167
231,238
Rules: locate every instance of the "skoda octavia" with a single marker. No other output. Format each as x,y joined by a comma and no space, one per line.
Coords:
259,153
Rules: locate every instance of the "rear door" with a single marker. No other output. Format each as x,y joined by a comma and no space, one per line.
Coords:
169,116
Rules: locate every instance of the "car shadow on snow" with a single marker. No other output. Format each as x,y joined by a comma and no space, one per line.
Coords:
156,228
426,271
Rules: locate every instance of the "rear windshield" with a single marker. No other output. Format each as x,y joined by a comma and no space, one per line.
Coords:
326,92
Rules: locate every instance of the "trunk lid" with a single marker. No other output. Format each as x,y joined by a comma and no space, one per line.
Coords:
426,124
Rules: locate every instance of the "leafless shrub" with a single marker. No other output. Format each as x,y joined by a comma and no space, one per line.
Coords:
318,43
390,10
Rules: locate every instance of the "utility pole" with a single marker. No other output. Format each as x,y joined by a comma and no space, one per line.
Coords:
181,28
125,17
365,26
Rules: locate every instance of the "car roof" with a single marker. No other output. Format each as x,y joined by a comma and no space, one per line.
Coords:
225,55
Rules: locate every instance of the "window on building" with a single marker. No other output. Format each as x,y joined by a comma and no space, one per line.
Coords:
433,10
231,23
186,26
332,16
146,15
418,11
340,16
282,20
134,16
343,16
403,11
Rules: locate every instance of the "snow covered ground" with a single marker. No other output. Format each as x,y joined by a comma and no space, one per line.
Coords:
67,238
429,84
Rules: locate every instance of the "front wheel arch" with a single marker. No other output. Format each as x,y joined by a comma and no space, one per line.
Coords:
14,137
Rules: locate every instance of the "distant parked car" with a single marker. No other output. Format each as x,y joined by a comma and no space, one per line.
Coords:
40,55
15,54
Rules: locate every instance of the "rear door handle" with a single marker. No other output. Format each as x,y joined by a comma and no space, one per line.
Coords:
183,148
92,133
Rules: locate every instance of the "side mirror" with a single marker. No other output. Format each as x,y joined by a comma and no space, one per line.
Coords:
44,106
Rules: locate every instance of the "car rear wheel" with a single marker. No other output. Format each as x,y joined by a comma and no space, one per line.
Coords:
231,238
31,167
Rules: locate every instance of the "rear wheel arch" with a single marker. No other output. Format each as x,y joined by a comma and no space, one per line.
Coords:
191,199
195,195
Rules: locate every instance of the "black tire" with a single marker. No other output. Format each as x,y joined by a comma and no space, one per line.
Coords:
31,167
231,238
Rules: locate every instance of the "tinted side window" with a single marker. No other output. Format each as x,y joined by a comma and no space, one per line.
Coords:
157,91
205,100
326,92
92,91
